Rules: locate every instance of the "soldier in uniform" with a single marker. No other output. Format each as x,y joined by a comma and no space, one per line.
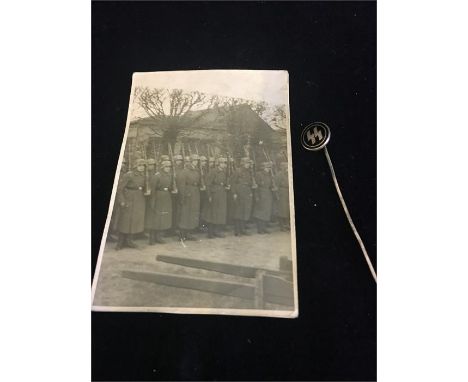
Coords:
204,163
131,219
159,210
230,207
211,163
162,159
282,182
179,166
242,194
150,173
115,211
215,212
263,198
188,185
203,197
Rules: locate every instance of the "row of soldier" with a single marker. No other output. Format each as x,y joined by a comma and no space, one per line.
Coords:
181,196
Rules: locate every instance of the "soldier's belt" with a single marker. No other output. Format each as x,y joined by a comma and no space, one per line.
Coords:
134,188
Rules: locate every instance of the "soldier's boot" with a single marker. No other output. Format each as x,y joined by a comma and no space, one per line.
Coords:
181,234
151,238
281,224
261,227
157,237
189,237
130,243
217,230
120,241
210,231
111,238
243,230
141,235
237,230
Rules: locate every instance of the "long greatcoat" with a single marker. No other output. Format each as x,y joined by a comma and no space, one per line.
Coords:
282,182
131,218
159,203
264,200
188,185
175,199
241,185
215,212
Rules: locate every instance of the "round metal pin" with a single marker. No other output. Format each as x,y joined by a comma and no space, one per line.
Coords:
315,136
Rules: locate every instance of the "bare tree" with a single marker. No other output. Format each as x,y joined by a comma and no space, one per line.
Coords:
279,118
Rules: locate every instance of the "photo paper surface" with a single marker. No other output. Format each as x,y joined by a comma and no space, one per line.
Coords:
201,217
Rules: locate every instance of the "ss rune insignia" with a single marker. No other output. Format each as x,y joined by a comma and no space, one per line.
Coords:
315,136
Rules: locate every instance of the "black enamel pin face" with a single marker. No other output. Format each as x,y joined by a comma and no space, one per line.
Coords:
315,136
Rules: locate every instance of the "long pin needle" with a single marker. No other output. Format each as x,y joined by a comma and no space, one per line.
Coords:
348,215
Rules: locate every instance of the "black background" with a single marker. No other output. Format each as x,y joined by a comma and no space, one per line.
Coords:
329,49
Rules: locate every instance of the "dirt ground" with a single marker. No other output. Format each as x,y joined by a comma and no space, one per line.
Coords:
262,251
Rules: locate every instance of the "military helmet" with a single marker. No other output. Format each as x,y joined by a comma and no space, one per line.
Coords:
178,157
202,158
163,158
194,157
211,159
165,163
140,162
222,160
267,164
150,161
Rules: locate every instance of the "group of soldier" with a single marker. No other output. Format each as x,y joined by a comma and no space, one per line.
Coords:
178,196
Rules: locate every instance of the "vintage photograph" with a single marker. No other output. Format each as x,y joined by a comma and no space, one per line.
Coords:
201,218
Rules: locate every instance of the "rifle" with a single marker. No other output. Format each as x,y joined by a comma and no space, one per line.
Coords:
158,155
183,153
147,181
274,187
210,155
229,171
274,167
174,184
252,169
202,175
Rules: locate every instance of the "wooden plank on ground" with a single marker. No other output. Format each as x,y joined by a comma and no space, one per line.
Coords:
277,290
231,269
227,288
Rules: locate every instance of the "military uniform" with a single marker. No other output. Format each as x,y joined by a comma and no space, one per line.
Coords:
151,171
160,204
188,185
215,212
282,182
263,200
113,228
242,193
131,219
179,167
203,196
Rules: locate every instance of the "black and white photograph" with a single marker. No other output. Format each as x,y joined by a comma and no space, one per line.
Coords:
201,218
